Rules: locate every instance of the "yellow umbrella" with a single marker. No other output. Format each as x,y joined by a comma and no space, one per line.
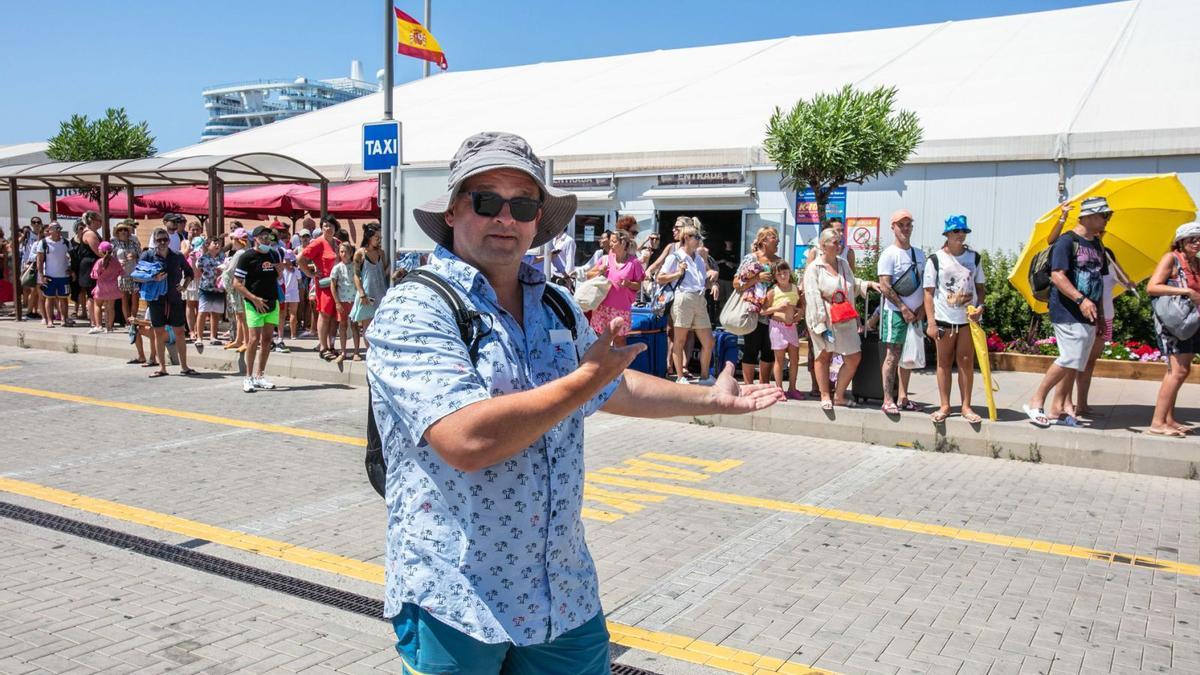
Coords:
1146,211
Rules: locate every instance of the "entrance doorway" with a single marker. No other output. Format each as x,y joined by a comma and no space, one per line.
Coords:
722,231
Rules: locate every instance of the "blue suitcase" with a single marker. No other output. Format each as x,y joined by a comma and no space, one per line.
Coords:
653,360
643,319
725,350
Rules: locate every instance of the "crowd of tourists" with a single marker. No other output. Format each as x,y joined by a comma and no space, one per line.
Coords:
934,295
245,291
251,291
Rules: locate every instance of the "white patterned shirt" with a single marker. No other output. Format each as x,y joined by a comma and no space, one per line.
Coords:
498,554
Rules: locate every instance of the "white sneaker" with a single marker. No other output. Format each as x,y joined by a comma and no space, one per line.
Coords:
94,330
708,381
248,385
261,382
682,380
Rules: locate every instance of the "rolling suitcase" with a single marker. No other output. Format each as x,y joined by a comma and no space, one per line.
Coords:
868,379
653,360
643,319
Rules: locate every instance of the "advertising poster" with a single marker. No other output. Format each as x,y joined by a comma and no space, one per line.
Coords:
807,222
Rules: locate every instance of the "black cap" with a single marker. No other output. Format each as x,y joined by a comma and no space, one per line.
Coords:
174,218
261,229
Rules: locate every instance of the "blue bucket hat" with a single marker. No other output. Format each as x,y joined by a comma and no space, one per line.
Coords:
956,224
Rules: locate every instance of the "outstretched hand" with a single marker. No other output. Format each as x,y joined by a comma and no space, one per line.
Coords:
610,361
736,399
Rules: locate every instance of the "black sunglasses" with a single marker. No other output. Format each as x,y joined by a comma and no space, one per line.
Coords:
489,204
162,241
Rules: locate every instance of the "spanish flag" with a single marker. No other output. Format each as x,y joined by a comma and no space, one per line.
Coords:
412,39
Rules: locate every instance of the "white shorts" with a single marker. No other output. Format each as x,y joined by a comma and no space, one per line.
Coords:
1074,344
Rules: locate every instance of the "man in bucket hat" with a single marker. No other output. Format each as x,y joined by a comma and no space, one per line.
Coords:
1077,268
487,567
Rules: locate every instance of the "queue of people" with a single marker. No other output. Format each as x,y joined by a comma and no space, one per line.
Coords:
242,291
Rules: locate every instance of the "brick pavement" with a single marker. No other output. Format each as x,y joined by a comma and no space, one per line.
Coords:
840,595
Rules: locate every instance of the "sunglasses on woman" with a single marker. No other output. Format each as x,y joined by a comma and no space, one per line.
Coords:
490,204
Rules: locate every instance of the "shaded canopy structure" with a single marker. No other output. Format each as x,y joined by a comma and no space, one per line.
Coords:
109,176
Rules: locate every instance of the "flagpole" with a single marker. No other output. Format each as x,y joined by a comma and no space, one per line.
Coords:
386,185
428,27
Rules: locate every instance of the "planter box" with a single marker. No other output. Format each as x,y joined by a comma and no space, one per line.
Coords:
1124,370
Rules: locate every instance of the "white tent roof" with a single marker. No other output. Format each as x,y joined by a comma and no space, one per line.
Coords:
23,153
1100,81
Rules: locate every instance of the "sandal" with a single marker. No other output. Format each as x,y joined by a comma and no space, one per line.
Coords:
939,416
358,357
130,362
909,406
1067,420
188,371
972,418
149,364
1037,417
890,409
1170,432
826,405
158,373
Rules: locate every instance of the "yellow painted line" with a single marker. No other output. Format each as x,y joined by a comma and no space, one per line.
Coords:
629,636
185,415
1021,543
9,367
644,469
710,466
622,501
600,514
281,550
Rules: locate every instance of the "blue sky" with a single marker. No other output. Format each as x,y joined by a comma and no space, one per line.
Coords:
155,56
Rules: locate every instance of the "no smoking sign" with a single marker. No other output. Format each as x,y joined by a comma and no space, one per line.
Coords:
862,234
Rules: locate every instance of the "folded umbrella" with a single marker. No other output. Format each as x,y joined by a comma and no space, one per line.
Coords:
1146,211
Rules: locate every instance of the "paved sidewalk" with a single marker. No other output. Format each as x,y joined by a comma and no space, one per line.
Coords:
851,557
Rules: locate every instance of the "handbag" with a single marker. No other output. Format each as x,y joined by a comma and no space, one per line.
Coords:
841,309
29,276
908,283
1176,313
592,292
739,317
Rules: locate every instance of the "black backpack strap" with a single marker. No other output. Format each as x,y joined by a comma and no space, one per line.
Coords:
554,299
470,322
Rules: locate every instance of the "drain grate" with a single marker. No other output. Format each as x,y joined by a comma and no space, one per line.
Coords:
300,588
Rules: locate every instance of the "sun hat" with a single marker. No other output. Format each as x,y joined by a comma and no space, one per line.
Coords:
487,151
900,214
106,246
1094,206
127,224
1186,230
956,224
305,232
239,233
197,242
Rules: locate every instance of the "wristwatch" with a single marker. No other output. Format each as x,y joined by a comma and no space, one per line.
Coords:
1080,299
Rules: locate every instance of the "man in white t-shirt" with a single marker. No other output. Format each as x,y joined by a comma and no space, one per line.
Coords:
54,273
900,270
562,248
173,221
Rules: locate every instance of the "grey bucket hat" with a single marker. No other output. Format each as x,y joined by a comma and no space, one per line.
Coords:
1093,206
496,150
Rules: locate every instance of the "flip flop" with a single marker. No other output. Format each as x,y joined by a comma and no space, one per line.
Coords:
130,362
1037,417
149,364
939,416
158,373
891,409
909,406
972,418
1173,433
1067,420
188,371
826,405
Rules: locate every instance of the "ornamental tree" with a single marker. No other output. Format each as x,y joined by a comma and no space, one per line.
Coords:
849,136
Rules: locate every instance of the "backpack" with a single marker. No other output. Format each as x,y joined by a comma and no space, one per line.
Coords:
1039,272
471,329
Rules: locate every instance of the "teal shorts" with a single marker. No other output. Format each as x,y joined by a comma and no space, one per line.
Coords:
892,327
427,646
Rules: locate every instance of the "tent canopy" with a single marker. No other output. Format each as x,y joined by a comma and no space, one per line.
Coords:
1107,80
233,169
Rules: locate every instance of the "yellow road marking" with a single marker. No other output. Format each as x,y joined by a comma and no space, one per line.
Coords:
616,478
600,514
709,466
640,467
960,534
9,367
629,636
185,415
622,501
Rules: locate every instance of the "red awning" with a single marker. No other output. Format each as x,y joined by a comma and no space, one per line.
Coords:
75,206
351,200
190,200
